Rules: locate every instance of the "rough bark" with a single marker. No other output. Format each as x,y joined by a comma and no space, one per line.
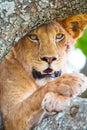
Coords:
18,17
73,118
1,122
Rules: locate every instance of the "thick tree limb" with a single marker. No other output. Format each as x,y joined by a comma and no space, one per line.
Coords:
18,17
73,118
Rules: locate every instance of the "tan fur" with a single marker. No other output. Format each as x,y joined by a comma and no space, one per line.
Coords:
21,96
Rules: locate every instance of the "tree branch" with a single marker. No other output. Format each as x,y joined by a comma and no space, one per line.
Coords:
73,118
18,17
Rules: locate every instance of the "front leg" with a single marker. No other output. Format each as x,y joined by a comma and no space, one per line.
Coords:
70,85
21,116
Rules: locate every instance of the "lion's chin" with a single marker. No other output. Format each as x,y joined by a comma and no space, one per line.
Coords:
38,75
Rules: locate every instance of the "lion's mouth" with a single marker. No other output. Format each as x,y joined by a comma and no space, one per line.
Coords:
48,70
48,74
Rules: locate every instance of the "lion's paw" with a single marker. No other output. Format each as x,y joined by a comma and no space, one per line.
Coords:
53,102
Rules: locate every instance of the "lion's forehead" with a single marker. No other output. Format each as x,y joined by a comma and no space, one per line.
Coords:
49,29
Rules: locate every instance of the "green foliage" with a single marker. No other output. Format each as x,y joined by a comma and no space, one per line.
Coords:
82,43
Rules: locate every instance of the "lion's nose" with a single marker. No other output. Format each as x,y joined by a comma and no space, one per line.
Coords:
49,59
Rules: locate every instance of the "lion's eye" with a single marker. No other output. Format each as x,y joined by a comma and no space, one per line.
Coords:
33,37
59,36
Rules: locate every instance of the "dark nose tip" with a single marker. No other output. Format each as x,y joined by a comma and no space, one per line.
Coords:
49,59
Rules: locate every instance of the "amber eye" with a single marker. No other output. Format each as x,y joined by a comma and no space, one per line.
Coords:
33,37
59,36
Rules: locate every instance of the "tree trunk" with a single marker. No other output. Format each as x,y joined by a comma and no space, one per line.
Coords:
18,17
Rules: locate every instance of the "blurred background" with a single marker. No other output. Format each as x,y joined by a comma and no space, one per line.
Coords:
77,58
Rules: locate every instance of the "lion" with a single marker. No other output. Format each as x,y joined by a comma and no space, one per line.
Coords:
33,75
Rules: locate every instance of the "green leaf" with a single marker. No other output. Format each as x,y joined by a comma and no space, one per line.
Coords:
82,42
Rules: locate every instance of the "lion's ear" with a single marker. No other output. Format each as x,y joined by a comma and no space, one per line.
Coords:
75,25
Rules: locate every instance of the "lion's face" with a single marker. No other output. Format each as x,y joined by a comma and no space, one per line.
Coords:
50,45
44,49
